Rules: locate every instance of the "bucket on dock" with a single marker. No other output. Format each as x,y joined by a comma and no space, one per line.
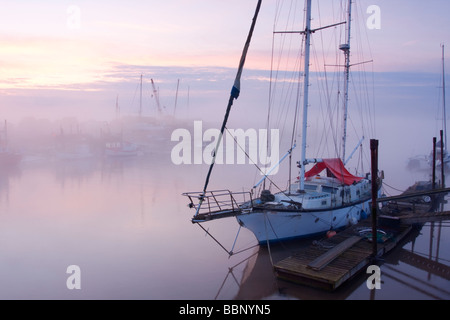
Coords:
381,236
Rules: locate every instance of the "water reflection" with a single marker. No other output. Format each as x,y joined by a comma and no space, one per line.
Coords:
125,223
406,274
6,175
419,268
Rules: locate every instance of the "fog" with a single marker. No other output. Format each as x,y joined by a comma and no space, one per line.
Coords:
406,111
124,221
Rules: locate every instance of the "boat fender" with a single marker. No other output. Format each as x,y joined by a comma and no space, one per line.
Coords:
352,220
331,234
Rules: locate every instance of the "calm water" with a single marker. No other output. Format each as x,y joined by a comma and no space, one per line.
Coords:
127,227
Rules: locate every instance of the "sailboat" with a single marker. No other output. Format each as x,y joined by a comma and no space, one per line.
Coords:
316,203
442,156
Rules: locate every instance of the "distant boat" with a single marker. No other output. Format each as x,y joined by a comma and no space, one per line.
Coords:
445,155
8,157
121,149
421,163
442,154
425,162
115,146
73,146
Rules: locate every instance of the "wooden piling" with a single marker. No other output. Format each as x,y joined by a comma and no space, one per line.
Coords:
442,160
434,164
374,160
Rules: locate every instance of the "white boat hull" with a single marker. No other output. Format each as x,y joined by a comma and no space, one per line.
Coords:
272,226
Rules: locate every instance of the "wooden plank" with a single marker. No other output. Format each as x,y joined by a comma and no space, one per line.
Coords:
344,267
323,260
413,194
423,218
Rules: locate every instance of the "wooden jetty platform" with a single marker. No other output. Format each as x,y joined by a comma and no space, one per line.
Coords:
330,263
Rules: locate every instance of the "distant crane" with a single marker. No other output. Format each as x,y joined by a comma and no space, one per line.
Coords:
176,97
155,93
117,107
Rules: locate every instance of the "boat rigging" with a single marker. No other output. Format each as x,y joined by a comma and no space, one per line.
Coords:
313,205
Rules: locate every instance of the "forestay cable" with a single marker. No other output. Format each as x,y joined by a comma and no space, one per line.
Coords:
235,91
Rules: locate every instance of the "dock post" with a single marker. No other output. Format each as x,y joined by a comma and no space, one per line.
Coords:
374,163
434,163
442,160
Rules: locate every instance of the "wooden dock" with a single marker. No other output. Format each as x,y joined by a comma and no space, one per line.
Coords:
330,263
414,218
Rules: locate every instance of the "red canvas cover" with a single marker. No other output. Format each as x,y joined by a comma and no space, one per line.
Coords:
336,168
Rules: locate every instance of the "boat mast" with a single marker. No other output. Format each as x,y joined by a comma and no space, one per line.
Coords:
443,97
307,33
117,107
155,93
176,97
346,49
140,100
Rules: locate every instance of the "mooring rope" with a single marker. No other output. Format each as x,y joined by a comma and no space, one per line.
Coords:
267,238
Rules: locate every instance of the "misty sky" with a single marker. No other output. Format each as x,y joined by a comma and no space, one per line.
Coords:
77,57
